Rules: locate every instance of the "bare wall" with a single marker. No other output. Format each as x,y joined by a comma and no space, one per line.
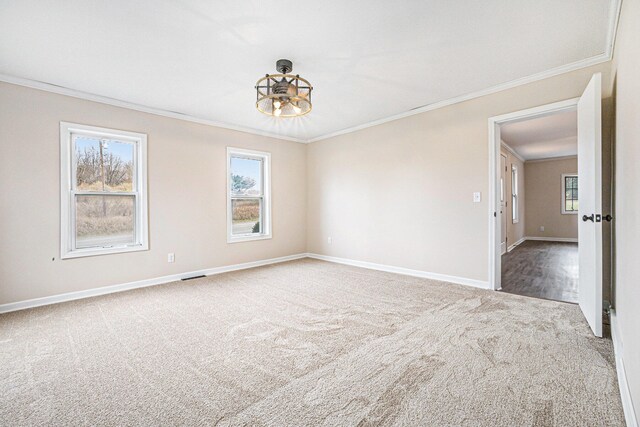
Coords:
187,190
544,199
400,193
627,194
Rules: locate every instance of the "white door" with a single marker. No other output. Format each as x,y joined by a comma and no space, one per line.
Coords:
590,208
503,204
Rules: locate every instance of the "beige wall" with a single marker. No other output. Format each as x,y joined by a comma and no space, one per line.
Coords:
627,192
544,199
515,231
401,193
187,205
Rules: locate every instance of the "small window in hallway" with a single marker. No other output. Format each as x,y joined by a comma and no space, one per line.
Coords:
569,194
515,216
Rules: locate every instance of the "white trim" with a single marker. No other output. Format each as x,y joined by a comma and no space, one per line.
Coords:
61,90
553,239
495,142
584,63
265,220
512,151
614,18
508,85
405,271
616,7
519,242
551,159
625,394
68,248
54,299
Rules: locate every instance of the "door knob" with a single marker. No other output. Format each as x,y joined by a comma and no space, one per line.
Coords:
607,218
587,218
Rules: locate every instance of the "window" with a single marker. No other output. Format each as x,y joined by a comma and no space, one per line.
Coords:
103,191
569,194
514,194
248,198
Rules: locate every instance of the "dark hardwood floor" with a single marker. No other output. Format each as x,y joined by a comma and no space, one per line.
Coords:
546,270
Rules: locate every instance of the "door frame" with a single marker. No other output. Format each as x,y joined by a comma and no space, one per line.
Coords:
495,260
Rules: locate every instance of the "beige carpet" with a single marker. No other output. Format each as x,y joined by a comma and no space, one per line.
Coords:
306,343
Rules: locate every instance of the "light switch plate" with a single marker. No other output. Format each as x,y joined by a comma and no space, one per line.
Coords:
477,197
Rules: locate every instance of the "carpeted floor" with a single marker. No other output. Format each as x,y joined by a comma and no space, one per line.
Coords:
306,343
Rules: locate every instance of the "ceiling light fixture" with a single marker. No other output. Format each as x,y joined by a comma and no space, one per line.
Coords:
284,94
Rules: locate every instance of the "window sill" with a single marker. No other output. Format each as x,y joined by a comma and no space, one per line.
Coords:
248,238
569,213
80,253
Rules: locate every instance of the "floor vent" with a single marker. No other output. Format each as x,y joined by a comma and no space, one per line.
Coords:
194,277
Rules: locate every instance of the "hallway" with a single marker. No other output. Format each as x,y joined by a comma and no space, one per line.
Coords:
546,270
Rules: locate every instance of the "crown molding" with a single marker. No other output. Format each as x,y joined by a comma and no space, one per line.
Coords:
512,151
494,89
61,90
616,7
551,159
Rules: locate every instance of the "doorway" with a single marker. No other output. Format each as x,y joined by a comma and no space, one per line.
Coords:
589,178
541,207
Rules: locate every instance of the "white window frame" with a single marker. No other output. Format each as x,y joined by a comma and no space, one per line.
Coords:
68,191
265,220
515,202
564,190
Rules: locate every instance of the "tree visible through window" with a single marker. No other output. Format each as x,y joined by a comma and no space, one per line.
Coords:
105,195
248,195
570,193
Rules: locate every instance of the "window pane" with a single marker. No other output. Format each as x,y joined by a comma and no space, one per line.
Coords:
246,177
571,193
103,164
105,220
246,216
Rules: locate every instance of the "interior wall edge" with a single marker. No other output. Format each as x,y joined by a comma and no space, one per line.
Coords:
625,393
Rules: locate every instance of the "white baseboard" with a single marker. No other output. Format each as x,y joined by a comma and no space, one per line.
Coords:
406,271
70,296
512,247
625,394
553,239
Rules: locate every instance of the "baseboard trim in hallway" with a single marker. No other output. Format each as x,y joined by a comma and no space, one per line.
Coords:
625,394
70,296
553,239
405,271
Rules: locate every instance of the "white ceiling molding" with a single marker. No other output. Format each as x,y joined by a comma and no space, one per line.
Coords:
47,87
175,115
248,126
512,151
607,56
551,159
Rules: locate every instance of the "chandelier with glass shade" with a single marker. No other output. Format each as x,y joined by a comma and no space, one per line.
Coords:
283,94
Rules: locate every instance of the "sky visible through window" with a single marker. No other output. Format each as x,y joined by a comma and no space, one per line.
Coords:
246,167
122,150
249,168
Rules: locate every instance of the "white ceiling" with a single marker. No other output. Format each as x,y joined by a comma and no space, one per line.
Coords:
367,59
546,137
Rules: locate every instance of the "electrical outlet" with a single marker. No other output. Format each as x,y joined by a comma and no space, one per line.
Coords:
542,228
477,197
171,257
329,240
